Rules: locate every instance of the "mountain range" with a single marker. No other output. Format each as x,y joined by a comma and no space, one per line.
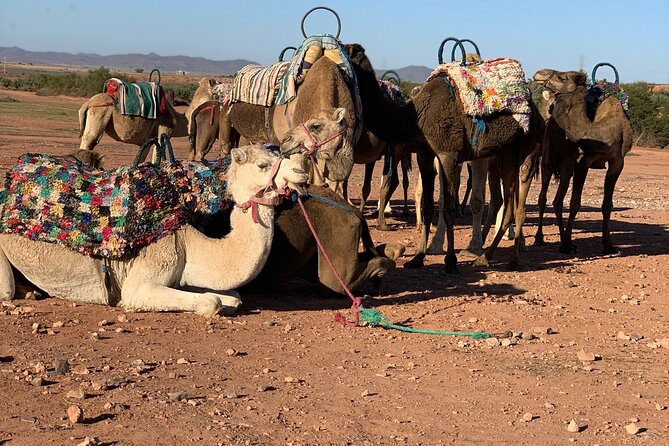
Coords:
147,62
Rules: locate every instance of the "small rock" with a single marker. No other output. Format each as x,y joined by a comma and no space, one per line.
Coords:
659,406
37,382
62,367
528,417
492,342
40,368
367,393
622,336
57,324
178,396
582,355
99,385
232,352
80,369
506,342
90,441
95,336
549,406
632,429
183,361
75,414
288,328
271,323
122,318
35,328
290,379
573,426
76,394
527,336
636,336
265,388
543,330
104,323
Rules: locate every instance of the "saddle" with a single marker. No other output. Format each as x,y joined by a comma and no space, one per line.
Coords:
488,87
108,213
144,99
601,90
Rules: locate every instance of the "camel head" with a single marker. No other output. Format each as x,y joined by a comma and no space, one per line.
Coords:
85,156
321,136
356,53
560,81
257,172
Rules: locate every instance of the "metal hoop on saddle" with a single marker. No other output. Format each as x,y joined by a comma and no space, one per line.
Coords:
164,151
604,64
391,76
463,41
157,71
327,9
284,51
458,42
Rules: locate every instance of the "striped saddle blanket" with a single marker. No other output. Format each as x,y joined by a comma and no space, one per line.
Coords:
490,86
145,99
107,213
258,85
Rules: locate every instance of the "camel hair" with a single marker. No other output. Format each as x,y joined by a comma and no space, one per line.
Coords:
575,143
99,115
159,277
435,117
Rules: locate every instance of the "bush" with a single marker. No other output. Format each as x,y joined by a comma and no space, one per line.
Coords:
650,115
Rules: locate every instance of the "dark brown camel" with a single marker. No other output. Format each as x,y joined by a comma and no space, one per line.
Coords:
604,138
435,117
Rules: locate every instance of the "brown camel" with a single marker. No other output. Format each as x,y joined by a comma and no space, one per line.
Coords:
323,87
576,142
204,128
435,116
99,115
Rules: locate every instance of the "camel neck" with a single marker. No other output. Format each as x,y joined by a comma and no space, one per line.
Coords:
230,262
570,113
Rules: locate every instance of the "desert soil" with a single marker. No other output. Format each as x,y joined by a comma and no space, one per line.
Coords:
281,372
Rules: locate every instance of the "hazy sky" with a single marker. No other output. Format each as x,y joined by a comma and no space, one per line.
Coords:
563,34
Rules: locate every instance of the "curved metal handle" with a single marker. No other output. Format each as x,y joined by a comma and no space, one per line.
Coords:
151,73
476,47
166,152
604,64
457,41
143,148
284,52
392,76
327,9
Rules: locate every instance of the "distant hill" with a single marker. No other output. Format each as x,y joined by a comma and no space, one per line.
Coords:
166,64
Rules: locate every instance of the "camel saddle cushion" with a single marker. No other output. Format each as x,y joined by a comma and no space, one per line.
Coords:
488,87
258,85
144,99
392,92
106,213
602,90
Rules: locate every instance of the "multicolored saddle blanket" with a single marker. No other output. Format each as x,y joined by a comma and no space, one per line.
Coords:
107,213
490,86
258,85
392,92
602,90
222,93
144,99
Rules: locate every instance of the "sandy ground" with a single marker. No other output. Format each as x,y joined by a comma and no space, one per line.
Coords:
282,372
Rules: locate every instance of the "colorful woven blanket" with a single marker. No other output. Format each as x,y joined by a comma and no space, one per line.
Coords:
144,99
602,90
258,85
392,92
491,86
106,213
222,93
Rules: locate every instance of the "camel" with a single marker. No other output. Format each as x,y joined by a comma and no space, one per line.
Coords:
435,116
99,115
575,142
164,275
203,93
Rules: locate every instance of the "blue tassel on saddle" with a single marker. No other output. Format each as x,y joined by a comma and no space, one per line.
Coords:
479,127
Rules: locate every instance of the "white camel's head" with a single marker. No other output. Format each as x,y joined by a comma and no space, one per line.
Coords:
560,81
321,136
258,172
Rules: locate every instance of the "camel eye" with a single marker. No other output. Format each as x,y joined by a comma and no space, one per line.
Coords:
263,165
316,127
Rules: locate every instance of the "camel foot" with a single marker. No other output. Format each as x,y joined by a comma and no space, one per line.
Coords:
416,262
213,304
392,250
481,261
514,265
451,264
383,227
472,251
436,247
610,249
568,248
539,240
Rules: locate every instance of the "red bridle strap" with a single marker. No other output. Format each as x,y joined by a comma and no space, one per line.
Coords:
259,197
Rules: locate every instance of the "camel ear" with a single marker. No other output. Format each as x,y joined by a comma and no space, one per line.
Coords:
580,78
238,155
339,114
546,95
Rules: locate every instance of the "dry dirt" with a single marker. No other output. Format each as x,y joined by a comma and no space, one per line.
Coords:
283,372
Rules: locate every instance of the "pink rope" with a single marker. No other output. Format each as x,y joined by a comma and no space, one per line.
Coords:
356,301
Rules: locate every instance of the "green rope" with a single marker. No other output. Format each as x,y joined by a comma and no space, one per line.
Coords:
374,318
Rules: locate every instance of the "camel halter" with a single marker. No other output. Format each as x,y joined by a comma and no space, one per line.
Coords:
315,145
259,197
544,84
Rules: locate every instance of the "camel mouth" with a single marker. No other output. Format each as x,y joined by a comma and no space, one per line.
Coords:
288,150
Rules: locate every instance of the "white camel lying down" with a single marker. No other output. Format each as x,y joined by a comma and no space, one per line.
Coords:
158,278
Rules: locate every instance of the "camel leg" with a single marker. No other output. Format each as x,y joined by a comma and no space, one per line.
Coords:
524,184
580,174
456,190
566,173
7,281
388,187
437,245
366,185
509,172
405,160
426,168
479,171
545,182
96,121
417,200
468,189
448,164
612,174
